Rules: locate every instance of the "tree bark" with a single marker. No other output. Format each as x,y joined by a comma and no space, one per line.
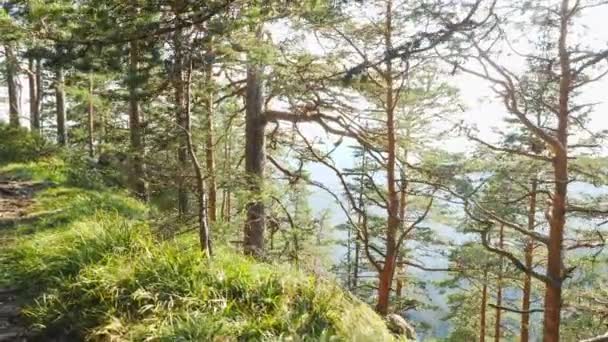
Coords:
484,304
393,224
34,94
355,283
39,91
528,256
499,288
255,157
210,144
226,197
11,81
137,175
180,120
90,119
62,136
557,221
203,225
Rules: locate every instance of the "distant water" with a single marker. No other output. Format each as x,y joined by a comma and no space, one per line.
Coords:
426,255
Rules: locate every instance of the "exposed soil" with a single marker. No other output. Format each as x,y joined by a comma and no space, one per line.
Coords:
15,199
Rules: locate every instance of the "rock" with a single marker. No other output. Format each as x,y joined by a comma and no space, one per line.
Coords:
603,338
8,310
398,325
12,335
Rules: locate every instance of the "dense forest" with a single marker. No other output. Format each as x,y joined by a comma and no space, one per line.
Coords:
312,170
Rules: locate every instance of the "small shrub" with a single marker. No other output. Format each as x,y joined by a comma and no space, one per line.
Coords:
19,145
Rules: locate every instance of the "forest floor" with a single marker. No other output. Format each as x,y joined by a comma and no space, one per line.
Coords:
15,199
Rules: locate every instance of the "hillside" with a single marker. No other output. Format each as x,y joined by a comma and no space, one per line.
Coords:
89,266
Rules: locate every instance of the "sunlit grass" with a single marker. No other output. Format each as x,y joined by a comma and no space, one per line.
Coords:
97,272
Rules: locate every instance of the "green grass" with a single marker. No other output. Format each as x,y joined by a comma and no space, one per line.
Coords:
96,271
50,169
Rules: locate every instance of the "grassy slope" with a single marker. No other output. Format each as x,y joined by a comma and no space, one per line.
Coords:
96,270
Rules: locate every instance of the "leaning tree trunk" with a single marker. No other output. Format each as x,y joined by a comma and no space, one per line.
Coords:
528,255
34,94
557,219
203,225
255,157
11,81
137,174
62,135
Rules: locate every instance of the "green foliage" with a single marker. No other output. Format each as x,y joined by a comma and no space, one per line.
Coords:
97,272
49,169
18,145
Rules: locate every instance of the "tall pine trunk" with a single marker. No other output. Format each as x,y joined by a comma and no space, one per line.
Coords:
62,135
180,120
557,221
388,270
137,174
255,157
11,81
34,93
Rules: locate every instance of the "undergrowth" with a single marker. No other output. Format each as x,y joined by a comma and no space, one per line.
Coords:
95,272
18,145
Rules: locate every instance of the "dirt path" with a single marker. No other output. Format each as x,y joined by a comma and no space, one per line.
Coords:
15,199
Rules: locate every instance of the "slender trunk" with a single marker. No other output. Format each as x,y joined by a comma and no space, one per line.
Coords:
228,206
137,174
484,304
90,119
528,255
349,257
400,274
34,93
402,209
203,225
180,120
361,219
388,270
226,202
39,91
11,81
62,136
210,145
255,157
499,288
356,265
553,293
